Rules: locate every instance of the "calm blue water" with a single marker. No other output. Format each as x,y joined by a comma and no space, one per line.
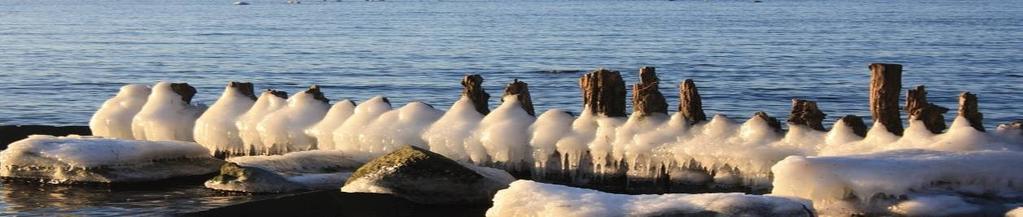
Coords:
60,59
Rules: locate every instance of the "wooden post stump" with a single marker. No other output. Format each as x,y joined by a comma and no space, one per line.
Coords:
771,121
690,104
919,109
472,88
184,90
521,91
856,123
646,98
317,94
885,86
968,108
245,88
278,93
806,113
604,92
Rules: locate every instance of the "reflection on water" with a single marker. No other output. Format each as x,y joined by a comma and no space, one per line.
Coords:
25,198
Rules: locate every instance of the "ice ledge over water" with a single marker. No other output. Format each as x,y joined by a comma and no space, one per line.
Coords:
529,198
95,159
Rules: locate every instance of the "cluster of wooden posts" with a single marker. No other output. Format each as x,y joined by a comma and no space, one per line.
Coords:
604,94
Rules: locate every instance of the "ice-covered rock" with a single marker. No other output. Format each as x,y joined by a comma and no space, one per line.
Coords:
347,137
168,114
1017,212
216,129
283,130
545,132
452,134
113,119
528,198
504,132
396,128
324,130
269,101
304,170
869,183
93,159
425,177
939,205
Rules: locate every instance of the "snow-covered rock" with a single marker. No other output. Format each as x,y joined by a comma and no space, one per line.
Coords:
167,114
425,177
529,198
216,129
304,170
92,159
113,119
878,182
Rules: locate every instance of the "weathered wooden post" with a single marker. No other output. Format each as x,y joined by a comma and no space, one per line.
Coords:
690,104
646,97
969,109
184,90
885,86
806,113
245,88
472,88
919,109
521,91
856,123
604,92
771,121
317,94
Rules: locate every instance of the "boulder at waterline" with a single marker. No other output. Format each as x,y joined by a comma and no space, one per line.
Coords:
425,177
74,159
304,170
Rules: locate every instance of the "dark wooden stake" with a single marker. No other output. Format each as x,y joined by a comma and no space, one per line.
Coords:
646,98
521,91
969,109
278,93
885,86
856,123
184,90
317,94
690,104
245,88
806,113
472,87
604,92
771,121
933,116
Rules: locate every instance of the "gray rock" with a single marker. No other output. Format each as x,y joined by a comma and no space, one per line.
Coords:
305,170
429,178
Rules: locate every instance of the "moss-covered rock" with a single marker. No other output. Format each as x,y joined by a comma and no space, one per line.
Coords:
234,177
425,177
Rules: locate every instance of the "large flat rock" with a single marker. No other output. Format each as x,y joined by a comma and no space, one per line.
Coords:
75,159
